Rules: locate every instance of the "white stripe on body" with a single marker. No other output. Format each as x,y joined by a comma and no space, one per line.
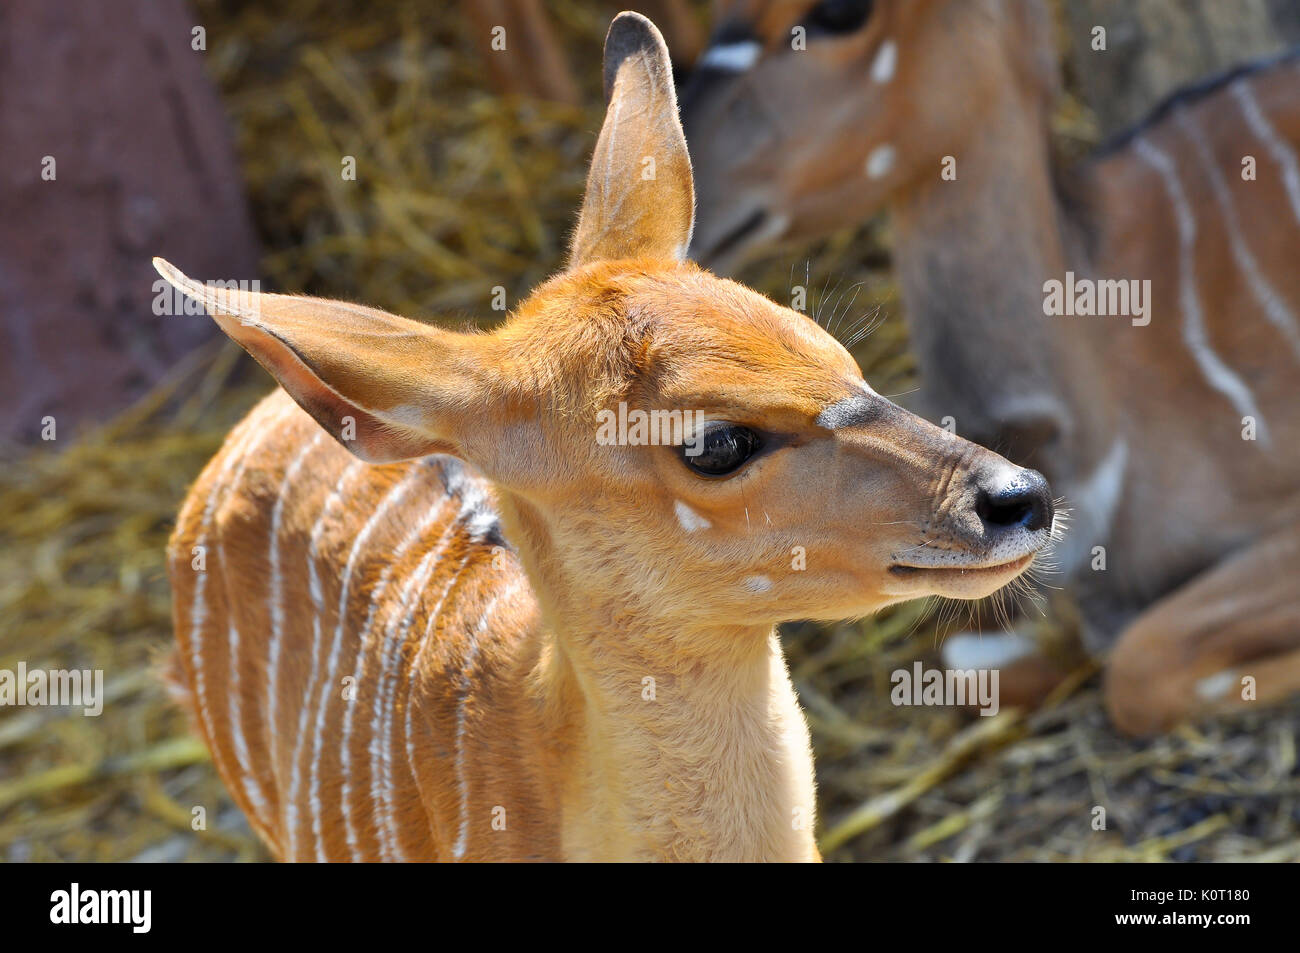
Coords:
244,760
472,498
228,477
392,499
364,652
334,499
1263,130
467,682
276,573
1219,376
1274,307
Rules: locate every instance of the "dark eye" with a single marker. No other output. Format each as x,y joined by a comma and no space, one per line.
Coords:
839,16
722,449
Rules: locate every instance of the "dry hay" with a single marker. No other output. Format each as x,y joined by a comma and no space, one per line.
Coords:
459,191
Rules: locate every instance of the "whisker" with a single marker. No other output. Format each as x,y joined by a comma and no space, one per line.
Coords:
900,393
863,319
920,545
877,318
837,315
821,301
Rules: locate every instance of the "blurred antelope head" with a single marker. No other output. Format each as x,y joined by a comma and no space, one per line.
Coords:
804,115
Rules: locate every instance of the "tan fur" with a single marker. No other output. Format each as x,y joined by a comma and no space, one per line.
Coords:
527,655
975,80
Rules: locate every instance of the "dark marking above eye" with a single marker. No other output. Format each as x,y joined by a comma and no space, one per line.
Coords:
852,411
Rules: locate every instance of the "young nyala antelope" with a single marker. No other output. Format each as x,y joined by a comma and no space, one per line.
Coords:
439,619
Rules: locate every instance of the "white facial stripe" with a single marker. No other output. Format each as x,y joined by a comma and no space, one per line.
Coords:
690,520
1218,374
1264,131
885,63
731,57
881,161
1274,308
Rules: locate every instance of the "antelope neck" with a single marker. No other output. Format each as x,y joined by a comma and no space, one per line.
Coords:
671,744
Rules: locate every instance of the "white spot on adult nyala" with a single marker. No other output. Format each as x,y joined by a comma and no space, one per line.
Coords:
886,61
1217,685
881,162
731,57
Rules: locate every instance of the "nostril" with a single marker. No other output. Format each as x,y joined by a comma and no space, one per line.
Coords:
1003,509
1024,501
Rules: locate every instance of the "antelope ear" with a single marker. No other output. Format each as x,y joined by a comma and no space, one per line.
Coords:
640,197
384,387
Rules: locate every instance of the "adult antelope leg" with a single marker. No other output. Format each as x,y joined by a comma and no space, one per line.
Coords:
1189,653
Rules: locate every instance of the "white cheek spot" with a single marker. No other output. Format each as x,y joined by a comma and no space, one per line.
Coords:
1216,686
690,520
758,584
880,162
731,57
886,61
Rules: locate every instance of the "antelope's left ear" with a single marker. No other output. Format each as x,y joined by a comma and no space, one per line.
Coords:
640,198
384,387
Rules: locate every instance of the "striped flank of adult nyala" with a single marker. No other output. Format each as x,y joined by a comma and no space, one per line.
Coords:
440,619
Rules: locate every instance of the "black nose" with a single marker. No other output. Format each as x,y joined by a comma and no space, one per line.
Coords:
1024,500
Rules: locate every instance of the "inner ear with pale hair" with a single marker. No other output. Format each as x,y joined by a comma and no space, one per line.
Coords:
640,199
386,388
